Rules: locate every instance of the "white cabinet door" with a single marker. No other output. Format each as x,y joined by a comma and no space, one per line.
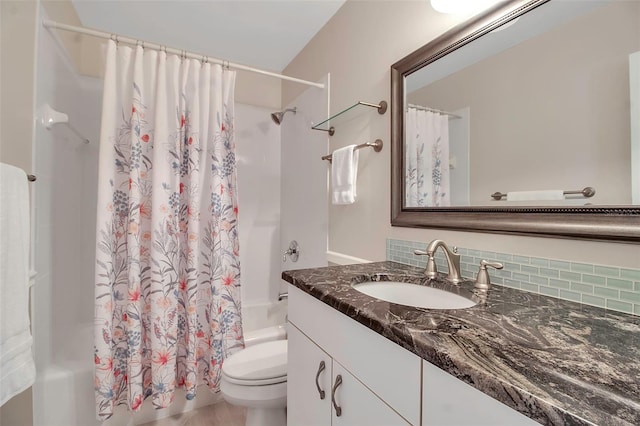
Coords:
358,406
391,372
308,375
447,401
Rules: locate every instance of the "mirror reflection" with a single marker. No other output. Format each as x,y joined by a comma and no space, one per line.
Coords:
533,113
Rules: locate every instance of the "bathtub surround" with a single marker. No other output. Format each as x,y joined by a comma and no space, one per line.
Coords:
525,350
609,287
304,180
63,230
258,162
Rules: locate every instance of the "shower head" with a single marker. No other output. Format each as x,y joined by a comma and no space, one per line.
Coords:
277,116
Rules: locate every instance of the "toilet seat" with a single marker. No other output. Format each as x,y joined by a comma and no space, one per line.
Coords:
258,365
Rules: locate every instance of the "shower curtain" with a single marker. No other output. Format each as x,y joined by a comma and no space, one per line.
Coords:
167,290
426,159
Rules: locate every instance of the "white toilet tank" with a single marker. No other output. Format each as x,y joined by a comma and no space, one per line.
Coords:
268,334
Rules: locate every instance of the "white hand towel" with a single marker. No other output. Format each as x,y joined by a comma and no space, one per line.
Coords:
17,369
344,174
552,194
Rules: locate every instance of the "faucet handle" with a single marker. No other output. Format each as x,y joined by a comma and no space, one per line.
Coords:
293,251
483,280
496,265
430,271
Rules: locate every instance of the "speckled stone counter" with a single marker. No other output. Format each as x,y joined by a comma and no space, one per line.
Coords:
555,361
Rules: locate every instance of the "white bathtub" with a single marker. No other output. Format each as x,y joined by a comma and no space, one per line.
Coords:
63,394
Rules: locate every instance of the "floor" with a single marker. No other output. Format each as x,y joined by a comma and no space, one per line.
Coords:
220,414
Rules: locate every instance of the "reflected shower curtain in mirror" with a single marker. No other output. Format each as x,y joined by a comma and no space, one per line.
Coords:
167,307
426,159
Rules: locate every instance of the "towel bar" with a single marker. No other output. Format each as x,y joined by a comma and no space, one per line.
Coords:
376,145
586,192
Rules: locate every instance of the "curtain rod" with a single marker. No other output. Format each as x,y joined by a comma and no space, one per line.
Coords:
424,108
155,46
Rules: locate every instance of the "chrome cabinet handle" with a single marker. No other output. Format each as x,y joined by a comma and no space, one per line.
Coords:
333,395
321,368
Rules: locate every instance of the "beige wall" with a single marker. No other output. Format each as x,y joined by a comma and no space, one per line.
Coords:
517,133
17,43
358,46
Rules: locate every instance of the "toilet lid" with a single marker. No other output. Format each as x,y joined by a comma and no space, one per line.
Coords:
263,361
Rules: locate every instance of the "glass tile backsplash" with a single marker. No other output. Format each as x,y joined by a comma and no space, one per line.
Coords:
608,287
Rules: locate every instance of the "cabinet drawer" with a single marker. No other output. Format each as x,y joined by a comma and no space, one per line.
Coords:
388,370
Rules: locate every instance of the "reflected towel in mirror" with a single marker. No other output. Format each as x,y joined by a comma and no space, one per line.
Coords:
551,194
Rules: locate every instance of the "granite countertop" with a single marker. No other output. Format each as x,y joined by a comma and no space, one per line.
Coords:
555,361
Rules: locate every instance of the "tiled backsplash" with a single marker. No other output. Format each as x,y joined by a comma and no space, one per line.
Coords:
608,287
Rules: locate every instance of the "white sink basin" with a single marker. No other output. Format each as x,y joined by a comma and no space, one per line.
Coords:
416,295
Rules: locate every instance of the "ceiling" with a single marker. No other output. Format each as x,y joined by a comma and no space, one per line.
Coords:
265,34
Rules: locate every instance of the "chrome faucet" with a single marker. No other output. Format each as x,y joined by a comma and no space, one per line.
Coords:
453,261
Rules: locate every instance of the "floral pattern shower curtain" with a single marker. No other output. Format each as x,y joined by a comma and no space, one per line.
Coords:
167,308
426,159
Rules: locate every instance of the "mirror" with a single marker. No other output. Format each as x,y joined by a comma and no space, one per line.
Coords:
526,120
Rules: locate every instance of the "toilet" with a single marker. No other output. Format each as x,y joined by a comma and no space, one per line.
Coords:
256,377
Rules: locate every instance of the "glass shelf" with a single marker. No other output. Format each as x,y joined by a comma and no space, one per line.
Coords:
327,125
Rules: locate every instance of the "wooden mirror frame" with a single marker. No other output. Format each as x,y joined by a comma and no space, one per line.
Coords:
608,223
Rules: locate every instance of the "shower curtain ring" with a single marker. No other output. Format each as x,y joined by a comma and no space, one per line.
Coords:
114,38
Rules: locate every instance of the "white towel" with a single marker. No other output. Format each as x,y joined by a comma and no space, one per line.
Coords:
552,194
344,174
17,369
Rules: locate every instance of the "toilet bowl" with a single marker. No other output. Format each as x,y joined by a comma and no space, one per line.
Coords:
256,378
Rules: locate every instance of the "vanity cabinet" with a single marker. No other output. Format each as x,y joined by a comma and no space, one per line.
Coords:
382,383
380,380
